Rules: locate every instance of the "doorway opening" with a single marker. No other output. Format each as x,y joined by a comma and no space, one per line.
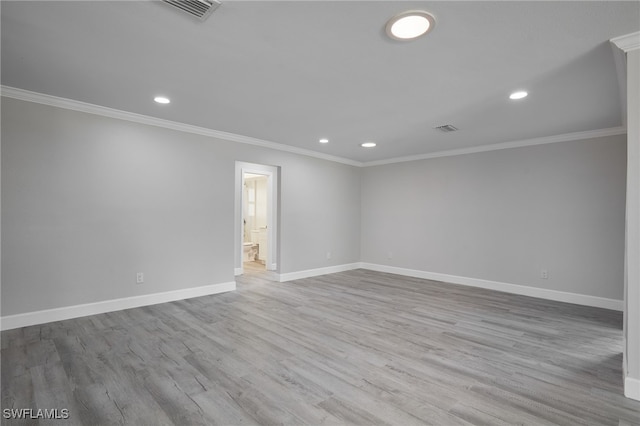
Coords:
256,218
255,245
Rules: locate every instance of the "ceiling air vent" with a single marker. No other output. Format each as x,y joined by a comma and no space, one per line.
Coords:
201,9
447,128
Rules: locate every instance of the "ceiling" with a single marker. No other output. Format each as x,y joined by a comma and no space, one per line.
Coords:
293,72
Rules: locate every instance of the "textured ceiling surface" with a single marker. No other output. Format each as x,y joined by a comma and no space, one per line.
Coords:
292,72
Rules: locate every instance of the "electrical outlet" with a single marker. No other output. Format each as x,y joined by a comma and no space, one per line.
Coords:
544,274
389,255
139,278
328,255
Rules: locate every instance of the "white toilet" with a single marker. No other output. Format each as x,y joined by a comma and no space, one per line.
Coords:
249,251
259,238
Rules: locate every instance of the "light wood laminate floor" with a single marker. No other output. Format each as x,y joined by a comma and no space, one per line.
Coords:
357,347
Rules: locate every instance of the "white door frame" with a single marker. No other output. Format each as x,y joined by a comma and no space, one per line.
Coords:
272,213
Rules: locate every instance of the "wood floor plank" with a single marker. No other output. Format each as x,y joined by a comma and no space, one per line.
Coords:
357,347
52,391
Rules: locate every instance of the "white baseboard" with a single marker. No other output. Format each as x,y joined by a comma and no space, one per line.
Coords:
41,317
632,388
238,271
542,293
289,276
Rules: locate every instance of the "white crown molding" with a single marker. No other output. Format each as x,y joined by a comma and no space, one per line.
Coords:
505,145
26,95
628,42
620,60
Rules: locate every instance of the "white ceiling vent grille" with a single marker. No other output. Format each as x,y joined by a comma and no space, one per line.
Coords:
201,9
447,128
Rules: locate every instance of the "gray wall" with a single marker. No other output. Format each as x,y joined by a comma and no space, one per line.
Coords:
505,215
88,201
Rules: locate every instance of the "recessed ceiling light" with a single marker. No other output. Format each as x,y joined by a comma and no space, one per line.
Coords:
368,144
518,95
324,140
162,100
409,25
